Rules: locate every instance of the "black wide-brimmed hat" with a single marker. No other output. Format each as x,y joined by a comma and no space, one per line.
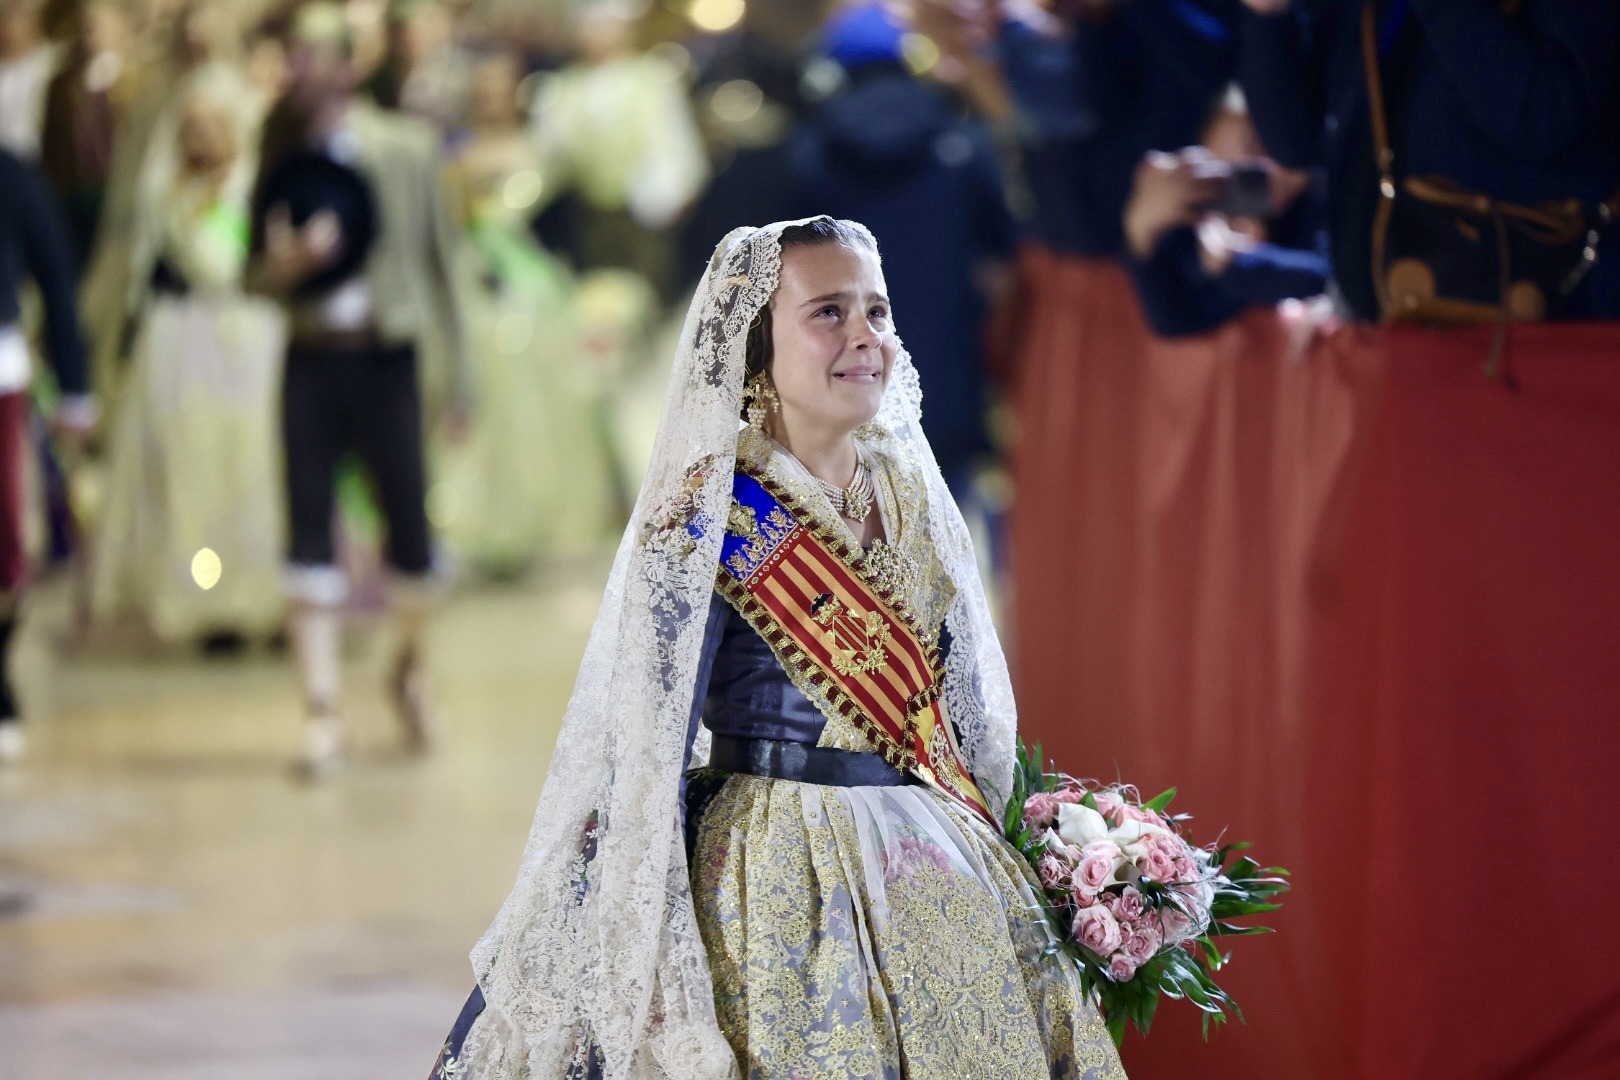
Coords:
307,183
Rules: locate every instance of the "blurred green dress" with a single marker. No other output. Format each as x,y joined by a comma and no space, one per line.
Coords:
528,481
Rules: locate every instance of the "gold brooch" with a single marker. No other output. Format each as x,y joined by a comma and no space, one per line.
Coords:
858,641
742,521
891,569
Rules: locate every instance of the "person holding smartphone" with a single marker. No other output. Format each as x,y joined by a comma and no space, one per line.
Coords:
1218,228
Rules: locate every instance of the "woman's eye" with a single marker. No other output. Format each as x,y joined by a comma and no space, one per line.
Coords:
828,310
879,313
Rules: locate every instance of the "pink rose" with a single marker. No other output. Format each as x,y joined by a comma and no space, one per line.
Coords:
1040,810
1082,896
1128,906
1185,870
1111,807
1175,925
1141,940
1096,866
1121,968
1155,864
1068,795
1054,871
1097,929
1136,813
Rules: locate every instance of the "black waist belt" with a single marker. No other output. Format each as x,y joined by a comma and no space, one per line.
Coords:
804,763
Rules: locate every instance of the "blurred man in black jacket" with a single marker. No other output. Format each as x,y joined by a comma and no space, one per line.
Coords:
34,244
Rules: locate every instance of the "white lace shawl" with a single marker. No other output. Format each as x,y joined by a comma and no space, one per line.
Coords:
596,952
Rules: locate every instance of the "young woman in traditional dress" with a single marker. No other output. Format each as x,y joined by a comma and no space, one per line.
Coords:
189,539
523,484
767,847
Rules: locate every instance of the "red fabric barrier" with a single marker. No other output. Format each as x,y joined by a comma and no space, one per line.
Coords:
1363,607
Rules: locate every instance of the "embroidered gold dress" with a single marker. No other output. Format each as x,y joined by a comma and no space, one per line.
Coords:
881,932
868,931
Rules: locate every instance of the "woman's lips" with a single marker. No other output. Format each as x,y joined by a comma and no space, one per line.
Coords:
860,376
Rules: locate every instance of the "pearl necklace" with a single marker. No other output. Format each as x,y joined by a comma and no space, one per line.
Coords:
854,501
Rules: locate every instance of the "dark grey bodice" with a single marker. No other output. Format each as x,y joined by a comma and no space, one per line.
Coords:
748,695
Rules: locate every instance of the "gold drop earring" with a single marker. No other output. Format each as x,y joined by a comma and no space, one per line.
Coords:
760,398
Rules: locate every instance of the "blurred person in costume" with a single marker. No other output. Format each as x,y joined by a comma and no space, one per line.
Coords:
767,846
616,131
353,236
28,60
199,35
1094,86
85,106
748,96
896,153
1500,100
189,534
425,71
34,246
529,480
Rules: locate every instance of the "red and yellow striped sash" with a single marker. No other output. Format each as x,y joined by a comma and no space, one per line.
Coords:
799,584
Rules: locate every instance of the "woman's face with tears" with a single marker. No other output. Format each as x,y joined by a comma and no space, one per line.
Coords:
832,340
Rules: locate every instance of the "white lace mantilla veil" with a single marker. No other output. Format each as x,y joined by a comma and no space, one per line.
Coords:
597,945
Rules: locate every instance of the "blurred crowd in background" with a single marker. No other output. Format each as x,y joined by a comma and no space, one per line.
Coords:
582,161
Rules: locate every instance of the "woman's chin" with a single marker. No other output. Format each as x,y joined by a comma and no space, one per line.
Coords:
864,416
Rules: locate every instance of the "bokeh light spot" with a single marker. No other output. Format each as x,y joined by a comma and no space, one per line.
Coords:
736,101
714,16
920,52
206,569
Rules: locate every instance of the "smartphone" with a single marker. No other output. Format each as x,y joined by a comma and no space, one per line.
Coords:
1245,192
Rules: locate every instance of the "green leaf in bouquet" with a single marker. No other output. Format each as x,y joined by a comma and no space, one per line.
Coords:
1229,909
1116,1022
1013,817
1161,801
1225,929
1195,985
1144,1017
1242,870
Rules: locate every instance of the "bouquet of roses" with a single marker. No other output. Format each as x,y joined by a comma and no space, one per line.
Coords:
1136,906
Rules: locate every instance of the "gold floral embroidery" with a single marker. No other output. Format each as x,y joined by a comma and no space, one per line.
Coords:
761,537
825,967
943,760
923,586
448,1068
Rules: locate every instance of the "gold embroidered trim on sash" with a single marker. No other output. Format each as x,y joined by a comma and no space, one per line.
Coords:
859,642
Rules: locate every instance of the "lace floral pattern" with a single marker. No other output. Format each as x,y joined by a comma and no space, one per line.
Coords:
595,962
